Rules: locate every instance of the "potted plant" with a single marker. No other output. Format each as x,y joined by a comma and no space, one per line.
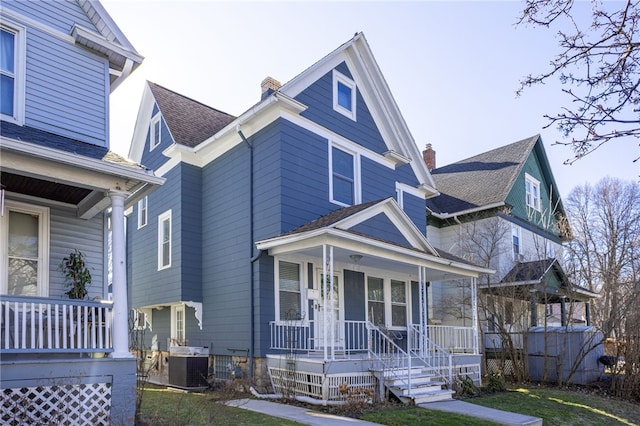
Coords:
76,274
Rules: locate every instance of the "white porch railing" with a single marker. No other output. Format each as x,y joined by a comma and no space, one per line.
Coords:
452,338
41,324
305,336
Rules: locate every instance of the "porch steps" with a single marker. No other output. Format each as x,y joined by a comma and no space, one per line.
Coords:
423,387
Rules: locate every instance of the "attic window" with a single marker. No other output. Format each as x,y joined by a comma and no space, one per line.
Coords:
532,191
344,95
155,132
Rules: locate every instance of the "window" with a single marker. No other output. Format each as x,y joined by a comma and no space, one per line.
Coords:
24,250
155,132
178,326
375,301
508,312
398,304
164,240
515,237
532,189
12,73
142,212
344,95
344,187
386,302
289,294
139,320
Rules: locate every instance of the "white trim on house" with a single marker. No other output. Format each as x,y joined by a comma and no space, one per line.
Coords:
356,178
339,78
143,211
19,71
162,218
155,131
43,244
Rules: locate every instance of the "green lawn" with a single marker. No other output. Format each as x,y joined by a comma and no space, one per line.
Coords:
563,407
162,406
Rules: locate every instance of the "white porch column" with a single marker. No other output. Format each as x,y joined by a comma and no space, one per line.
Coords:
120,325
323,295
474,314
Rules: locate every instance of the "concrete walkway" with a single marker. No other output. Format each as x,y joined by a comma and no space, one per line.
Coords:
498,416
316,418
297,414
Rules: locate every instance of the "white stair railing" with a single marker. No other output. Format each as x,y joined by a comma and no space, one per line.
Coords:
436,359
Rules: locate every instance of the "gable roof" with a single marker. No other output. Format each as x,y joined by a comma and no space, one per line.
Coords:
538,273
367,75
337,229
190,122
485,180
111,42
374,89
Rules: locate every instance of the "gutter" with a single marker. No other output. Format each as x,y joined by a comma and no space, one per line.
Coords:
469,211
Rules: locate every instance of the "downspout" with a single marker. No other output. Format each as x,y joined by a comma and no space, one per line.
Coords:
251,256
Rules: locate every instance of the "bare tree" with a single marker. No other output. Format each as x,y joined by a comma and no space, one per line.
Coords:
599,59
604,255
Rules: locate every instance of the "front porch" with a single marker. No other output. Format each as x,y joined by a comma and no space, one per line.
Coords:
368,362
58,365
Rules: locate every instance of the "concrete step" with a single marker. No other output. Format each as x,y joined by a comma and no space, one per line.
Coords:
415,380
441,395
415,390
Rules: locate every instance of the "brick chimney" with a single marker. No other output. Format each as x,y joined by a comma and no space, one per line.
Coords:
429,155
268,86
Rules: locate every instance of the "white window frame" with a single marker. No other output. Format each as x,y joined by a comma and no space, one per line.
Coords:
43,244
19,66
166,216
338,77
388,302
302,287
143,205
357,187
178,335
532,192
516,233
155,129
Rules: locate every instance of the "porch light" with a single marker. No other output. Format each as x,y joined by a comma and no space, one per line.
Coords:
355,257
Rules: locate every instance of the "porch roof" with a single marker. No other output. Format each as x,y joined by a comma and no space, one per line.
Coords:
39,164
335,230
544,276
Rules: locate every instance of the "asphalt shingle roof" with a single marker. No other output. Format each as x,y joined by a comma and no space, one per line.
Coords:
480,180
189,121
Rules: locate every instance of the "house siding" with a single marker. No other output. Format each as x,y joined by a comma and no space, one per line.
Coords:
545,219
150,286
66,92
191,236
154,159
67,233
319,99
380,226
226,250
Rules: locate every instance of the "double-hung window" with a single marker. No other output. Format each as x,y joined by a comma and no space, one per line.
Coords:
155,131
344,95
178,337
515,241
24,250
289,291
532,191
12,72
164,240
142,212
344,186
386,302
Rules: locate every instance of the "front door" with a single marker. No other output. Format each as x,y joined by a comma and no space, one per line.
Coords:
332,313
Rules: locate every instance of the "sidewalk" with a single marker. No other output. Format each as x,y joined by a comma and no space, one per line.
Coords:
498,416
316,418
297,414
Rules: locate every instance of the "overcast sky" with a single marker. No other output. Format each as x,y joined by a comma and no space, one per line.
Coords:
452,67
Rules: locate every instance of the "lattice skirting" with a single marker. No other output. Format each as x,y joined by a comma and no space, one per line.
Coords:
328,387
73,404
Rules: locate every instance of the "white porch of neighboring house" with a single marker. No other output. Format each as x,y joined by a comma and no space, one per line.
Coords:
326,357
65,361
